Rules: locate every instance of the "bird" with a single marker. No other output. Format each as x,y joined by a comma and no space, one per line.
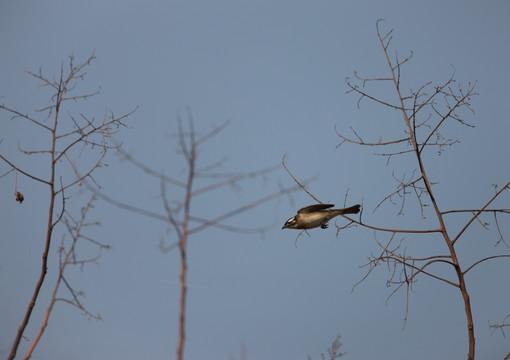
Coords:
314,216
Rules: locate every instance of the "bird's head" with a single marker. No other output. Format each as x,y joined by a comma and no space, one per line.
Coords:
290,224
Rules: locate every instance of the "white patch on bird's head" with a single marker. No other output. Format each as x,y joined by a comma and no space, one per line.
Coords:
289,223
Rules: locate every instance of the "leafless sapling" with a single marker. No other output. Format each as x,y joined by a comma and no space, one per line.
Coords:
425,112
76,144
176,208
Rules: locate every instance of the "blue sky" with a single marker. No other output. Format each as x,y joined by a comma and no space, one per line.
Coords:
276,70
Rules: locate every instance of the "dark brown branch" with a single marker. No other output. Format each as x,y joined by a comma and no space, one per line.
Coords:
364,94
302,186
483,260
104,126
506,211
500,327
401,191
501,238
24,172
360,141
407,231
74,98
480,211
376,262
18,114
421,269
79,177
444,117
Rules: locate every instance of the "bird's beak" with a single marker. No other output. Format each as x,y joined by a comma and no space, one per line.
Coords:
283,227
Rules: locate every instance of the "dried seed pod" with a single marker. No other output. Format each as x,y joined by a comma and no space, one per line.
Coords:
19,197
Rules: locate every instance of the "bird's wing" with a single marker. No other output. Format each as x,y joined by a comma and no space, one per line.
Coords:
312,208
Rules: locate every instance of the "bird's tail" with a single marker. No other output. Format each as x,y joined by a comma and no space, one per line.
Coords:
351,210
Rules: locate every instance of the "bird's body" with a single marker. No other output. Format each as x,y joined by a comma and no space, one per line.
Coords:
314,216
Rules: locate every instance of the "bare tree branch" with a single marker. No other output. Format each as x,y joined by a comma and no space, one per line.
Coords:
425,112
507,186
178,212
61,145
494,327
302,186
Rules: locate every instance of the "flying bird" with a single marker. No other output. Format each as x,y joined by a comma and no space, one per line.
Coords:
314,216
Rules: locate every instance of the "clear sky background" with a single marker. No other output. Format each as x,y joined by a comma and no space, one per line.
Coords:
276,69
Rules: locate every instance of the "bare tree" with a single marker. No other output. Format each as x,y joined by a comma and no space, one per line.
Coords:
200,179
71,139
425,112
